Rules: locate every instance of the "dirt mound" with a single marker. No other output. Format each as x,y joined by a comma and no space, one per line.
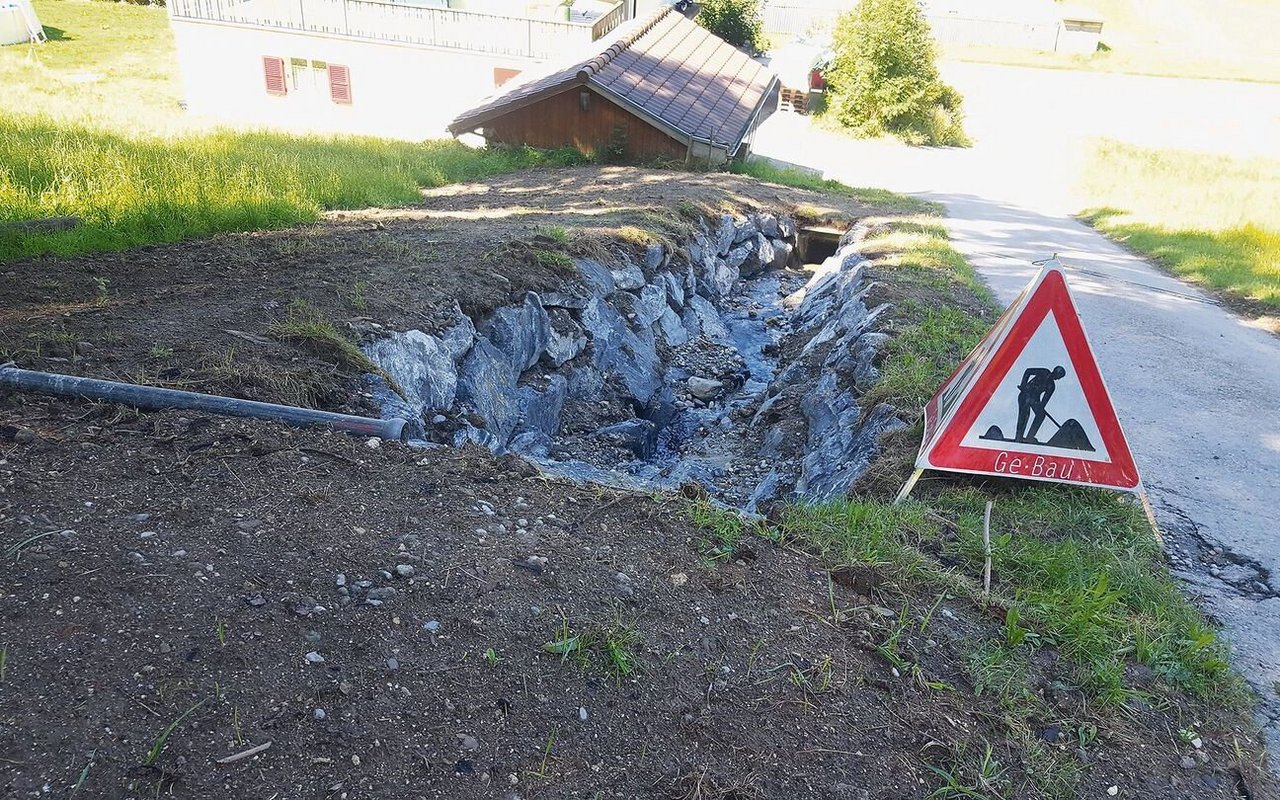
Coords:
181,591
450,624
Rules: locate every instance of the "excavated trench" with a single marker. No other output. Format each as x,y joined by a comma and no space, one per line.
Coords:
736,362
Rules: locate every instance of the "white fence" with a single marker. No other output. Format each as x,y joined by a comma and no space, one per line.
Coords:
800,19
407,24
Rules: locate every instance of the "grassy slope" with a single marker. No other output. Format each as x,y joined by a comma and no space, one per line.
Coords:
130,191
1212,219
1076,571
90,127
105,64
1231,39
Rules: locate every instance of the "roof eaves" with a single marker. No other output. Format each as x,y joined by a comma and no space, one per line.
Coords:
501,107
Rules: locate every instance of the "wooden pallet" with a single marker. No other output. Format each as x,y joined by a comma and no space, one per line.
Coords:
795,100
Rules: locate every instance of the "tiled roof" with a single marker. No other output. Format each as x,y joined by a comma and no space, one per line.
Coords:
664,68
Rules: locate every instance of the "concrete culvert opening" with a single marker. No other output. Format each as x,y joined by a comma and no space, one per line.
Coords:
717,363
815,244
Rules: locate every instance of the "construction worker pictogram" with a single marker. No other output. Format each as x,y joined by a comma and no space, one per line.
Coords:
1029,401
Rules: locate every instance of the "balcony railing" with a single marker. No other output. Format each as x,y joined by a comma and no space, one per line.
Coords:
372,20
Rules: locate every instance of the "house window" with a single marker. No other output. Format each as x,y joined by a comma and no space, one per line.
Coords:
307,77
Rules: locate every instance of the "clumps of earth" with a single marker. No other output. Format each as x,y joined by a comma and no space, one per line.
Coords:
722,362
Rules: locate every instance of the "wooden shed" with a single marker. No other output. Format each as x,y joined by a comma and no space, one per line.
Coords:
664,87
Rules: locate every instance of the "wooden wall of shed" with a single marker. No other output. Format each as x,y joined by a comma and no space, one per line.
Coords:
559,121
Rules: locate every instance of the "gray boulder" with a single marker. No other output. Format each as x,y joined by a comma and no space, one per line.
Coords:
567,340
617,349
596,277
521,332
744,230
782,250
709,322
675,289
704,388
655,257
487,386
540,410
724,233
720,277
422,365
629,277
760,256
671,328
768,225
652,302
640,436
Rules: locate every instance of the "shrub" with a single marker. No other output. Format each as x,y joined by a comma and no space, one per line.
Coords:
883,79
735,21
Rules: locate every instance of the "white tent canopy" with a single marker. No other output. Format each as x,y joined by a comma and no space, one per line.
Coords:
19,23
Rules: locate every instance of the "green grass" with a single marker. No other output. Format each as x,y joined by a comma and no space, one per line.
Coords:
880,198
1212,219
931,331
609,645
131,191
162,741
106,65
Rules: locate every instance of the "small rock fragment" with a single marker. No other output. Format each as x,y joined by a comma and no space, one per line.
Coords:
314,658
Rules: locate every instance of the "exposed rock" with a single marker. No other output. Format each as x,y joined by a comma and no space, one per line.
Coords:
421,364
653,301
540,410
738,256
787,227
640,436
618,349
655,257
709,322
745,230
705,388
598,279
563,300
629,277
675,290
782,250
724,233
520,332
768,225
566,340
719,277
672,328
841,445
760,256
487,385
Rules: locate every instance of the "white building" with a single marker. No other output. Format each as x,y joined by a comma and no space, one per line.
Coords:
395,69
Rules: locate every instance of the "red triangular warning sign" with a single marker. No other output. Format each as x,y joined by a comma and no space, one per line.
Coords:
1029,401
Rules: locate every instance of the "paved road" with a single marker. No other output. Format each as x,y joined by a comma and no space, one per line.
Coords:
1197,388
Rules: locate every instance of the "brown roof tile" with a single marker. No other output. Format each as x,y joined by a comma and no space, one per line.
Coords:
664,68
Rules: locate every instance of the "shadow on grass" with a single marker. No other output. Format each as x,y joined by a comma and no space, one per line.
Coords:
1241,262
53,34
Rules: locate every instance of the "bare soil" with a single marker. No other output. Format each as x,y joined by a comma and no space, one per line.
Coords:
177,589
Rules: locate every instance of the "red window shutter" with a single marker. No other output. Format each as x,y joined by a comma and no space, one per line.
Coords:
339,84
273,70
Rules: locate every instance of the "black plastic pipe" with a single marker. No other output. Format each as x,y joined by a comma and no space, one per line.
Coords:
153,397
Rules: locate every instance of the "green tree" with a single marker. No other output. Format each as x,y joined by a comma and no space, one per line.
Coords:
736,21
882,77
